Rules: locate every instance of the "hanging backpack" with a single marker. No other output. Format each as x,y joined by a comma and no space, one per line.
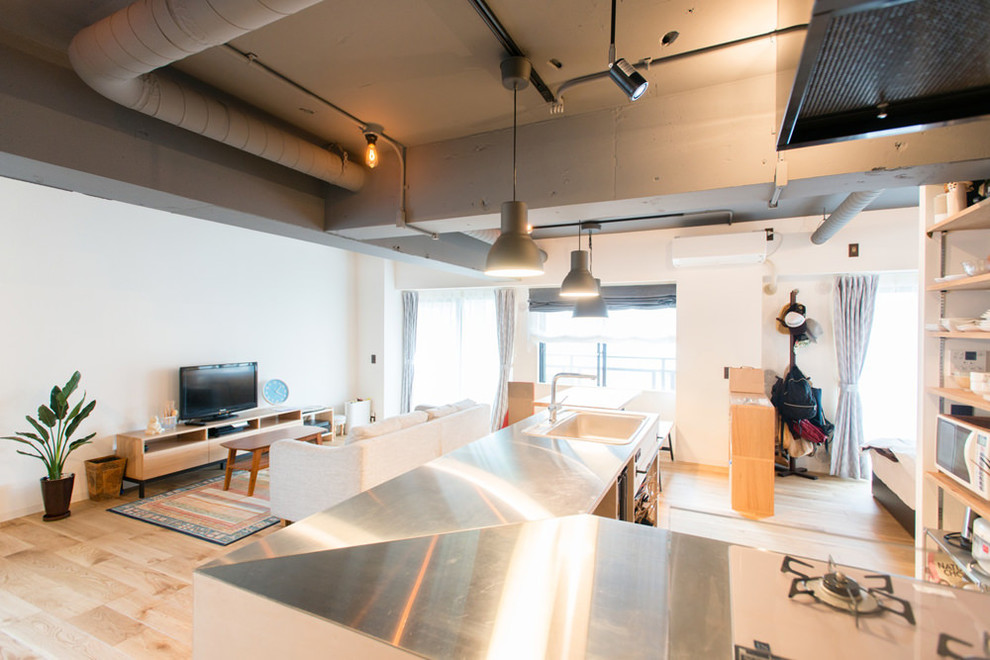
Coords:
792,396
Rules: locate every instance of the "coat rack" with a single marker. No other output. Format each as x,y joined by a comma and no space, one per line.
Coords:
791,467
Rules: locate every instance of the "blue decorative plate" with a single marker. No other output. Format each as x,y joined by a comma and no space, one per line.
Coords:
275,391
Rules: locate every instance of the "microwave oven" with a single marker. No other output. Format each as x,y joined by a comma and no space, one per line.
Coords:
962,451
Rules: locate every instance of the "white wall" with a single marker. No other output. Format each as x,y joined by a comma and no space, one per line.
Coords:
721,313
127,295
378,332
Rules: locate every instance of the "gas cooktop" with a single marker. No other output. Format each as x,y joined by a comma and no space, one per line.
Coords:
791,608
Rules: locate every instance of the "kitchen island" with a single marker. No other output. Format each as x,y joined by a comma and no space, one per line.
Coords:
489,552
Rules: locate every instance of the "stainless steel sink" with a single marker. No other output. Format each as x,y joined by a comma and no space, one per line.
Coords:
614,428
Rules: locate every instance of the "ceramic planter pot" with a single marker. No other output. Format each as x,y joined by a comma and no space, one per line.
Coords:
57,494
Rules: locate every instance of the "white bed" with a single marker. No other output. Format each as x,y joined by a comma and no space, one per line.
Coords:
893,462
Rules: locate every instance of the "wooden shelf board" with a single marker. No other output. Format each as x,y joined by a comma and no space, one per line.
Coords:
967,497
958,335
961,396
976,216
975,283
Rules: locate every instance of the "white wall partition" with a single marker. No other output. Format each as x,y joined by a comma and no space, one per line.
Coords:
127,295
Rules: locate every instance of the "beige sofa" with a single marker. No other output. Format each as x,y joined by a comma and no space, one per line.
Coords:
307,478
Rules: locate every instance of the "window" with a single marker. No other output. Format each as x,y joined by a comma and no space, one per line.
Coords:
888,384
634,348
456,347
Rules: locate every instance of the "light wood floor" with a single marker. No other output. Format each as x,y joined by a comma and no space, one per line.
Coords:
830,517
99,585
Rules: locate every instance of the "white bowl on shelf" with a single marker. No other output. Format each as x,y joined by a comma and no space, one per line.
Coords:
952,324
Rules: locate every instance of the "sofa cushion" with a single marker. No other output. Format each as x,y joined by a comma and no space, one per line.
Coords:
412,418
440,411
375,429
464,404
463,427
388,456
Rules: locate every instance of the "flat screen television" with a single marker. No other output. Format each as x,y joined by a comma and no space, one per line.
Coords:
212,392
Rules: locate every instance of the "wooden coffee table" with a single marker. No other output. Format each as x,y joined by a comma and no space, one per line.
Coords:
258,445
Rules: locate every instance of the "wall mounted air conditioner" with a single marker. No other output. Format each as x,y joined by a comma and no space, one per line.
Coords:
719,249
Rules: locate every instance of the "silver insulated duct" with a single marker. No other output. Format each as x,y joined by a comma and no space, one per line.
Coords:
117,56
846,211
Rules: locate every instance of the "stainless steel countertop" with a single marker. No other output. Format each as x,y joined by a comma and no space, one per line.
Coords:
505,477
567,587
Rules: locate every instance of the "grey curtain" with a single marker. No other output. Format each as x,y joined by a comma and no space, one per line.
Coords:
410,312
505,317
855,300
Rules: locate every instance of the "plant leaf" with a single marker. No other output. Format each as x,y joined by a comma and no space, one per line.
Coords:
78,406
59,403
29,443
80,442
74,422
35,455
41,429
70,386
46,416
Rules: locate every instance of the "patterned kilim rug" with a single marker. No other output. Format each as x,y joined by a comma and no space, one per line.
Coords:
206,511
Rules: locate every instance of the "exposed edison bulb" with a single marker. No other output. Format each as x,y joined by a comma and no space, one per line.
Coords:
371,155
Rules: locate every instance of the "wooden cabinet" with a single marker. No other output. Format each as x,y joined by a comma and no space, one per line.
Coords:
751,444
959,237
185,447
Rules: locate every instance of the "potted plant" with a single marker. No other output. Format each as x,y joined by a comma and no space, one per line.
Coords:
51,443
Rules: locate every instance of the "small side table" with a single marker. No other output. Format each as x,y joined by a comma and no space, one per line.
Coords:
258,444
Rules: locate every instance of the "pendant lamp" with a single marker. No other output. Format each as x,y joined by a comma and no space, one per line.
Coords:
591,307
579,283
514,253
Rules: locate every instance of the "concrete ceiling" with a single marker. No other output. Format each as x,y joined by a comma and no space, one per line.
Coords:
428,71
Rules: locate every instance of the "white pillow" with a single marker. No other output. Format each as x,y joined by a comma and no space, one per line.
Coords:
464,404
372,430
412,418
442,411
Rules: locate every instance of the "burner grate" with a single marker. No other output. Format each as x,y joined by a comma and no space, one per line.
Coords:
947,642
842,593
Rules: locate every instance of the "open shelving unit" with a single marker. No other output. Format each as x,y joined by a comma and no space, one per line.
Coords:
150,456
936,249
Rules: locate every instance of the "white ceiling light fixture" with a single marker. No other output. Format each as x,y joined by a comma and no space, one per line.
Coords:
591,307
514,253
630,81
579,283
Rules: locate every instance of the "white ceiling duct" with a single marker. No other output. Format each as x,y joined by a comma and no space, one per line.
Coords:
117,55
484,235
843,213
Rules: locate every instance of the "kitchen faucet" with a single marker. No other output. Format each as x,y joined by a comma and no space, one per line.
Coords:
554,406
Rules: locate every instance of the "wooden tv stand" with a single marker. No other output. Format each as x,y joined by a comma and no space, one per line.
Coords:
186,447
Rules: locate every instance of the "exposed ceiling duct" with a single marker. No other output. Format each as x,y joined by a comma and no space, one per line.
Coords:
844,212
117,55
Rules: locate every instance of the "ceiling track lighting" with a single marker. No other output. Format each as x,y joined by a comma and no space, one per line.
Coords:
630,81
591,307
579,282
514,253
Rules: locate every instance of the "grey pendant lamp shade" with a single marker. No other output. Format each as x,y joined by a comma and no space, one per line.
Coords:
514,253
579,283
593,307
